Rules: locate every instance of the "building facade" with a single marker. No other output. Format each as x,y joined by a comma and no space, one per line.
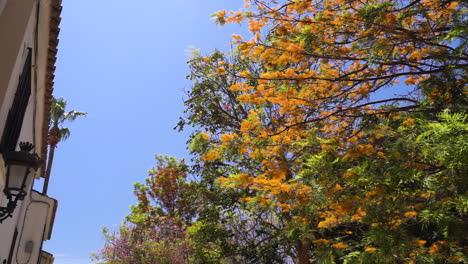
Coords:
28,47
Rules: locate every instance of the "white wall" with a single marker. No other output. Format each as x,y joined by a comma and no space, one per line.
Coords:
32,125
34,224
7,227
28,42
14,21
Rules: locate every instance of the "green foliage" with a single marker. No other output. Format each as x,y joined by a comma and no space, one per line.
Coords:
294,161
59,116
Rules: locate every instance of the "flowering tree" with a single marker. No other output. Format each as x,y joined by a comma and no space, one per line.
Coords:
320,121
336,134
162,240
155,231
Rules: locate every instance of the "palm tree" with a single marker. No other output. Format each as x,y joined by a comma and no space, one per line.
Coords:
57,133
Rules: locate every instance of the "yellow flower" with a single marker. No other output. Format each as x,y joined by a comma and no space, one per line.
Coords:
370,250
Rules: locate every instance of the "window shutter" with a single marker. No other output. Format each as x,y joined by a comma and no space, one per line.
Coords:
17,111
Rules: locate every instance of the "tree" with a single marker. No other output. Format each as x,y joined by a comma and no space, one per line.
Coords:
307,149
166,192
305,119
57,132
225,229
155,230
161,241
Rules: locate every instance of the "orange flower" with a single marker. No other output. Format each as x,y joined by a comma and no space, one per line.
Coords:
411,214
248,199
370,250
415,55
359,214
221,70
339,245
409,121
321,241
410,80
337,188
221,14
434,249
227,137
236,37
204,135
381,154
222,180
211,156
328,222
419,243
391,19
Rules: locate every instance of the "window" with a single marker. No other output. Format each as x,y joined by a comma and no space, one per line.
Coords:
15,116
2,5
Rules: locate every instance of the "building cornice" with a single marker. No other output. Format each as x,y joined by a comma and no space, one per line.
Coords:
54,30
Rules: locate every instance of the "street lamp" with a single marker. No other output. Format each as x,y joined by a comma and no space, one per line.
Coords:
19,165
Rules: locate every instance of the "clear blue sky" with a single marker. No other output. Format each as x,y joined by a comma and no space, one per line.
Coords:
123,62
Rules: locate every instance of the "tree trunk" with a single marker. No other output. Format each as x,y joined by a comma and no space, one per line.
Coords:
303,248
50,159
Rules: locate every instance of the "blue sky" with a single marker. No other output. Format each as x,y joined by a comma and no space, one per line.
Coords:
123,62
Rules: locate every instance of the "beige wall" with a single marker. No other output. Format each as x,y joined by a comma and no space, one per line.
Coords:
40,72
13,23
33,121
11,64
17,31
34,225
8,226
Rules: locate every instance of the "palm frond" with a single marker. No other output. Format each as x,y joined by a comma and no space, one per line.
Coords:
57,109
72,115
59,115
64,133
